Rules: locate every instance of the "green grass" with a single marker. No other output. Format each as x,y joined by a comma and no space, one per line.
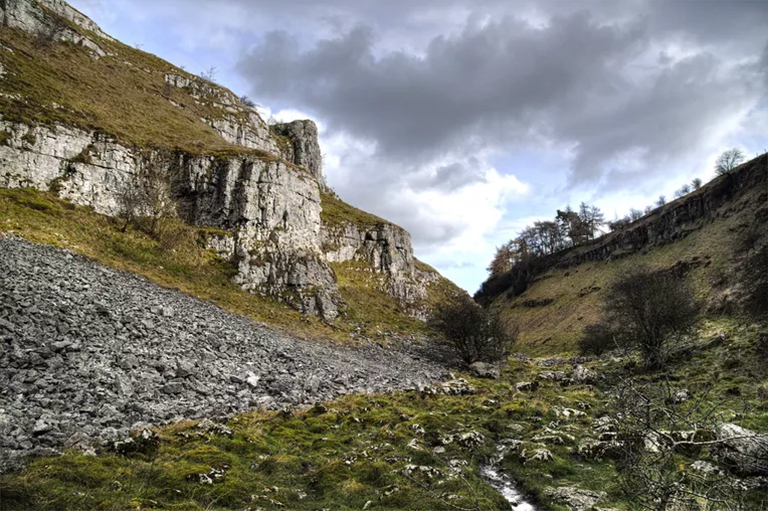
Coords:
347,452
122,94
337,212
368,302
577,292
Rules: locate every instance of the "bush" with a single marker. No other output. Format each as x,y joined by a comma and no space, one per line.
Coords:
597,339
476,334
648,309
147,202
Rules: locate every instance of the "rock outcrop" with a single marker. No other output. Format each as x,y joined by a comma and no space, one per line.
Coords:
300,146
32,17
271,210
263,186
384,247
742,188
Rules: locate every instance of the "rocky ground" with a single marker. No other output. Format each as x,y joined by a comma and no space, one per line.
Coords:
87,352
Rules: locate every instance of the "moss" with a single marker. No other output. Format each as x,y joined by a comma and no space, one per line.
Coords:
29,138
85,155
5,137
352,450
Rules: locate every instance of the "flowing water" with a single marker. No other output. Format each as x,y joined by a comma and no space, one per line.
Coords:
502,483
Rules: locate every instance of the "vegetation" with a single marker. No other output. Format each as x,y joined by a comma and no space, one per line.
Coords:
570,228
177,258
337,212
647,310
728,161
344,453
660,427
475,334
123,94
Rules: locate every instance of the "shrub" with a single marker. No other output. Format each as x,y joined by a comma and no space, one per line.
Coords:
475,333
147,202
648,309
597,339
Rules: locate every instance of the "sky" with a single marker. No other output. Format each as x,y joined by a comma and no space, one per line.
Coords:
465,120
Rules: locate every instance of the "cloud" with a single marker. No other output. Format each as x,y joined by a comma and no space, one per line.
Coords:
441,115
602,88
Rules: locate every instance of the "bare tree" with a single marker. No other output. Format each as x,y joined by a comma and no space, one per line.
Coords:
474,333
209,74
728,161
660,435
696,183
146,200
648,309
661,201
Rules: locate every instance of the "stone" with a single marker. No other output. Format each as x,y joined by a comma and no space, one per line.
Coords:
526,386
252,380
576,499
485,370
583,375
742,450
300,145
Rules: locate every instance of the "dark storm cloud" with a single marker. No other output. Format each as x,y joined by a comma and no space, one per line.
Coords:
603,87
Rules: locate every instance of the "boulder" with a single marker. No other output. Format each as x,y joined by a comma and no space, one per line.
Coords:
742,450
526,386
583,375
485,370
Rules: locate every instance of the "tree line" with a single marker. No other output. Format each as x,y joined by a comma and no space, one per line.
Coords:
572,228
569,228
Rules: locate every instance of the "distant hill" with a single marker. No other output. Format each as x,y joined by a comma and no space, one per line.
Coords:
697,234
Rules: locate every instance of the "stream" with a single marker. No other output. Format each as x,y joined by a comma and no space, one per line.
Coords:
503,484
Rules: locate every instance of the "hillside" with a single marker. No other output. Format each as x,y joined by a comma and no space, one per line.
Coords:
190,320
85,119
696,235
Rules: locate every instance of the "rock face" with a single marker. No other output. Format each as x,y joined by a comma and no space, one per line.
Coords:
240,125
387,249
31,17
301,147
272,210
723,196
88,351
265,191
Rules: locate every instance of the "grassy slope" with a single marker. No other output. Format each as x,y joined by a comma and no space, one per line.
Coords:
570,298
353,450
122,94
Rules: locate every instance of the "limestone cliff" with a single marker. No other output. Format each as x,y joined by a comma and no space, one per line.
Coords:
261,186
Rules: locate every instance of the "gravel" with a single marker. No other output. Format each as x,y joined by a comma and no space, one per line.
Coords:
88,352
